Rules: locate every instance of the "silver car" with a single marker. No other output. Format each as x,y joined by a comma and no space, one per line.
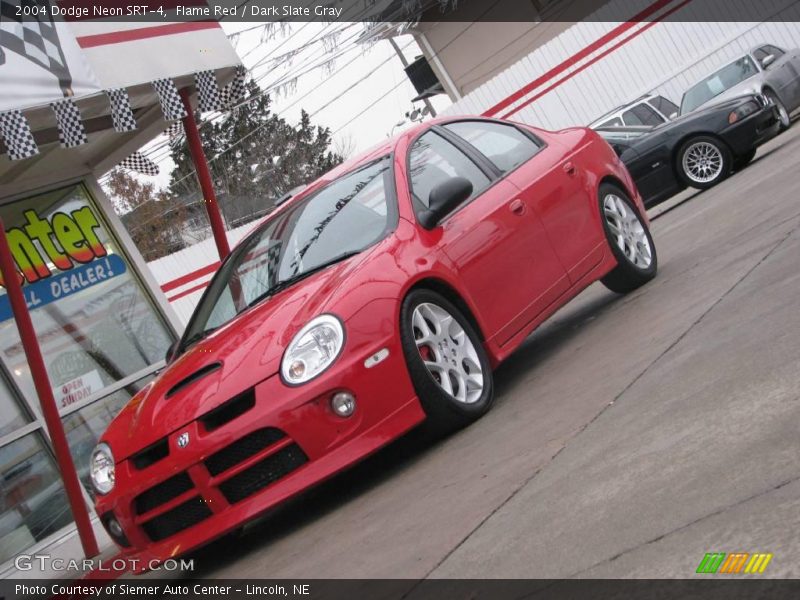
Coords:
766,70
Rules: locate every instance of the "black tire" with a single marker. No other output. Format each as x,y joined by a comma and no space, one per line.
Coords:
627,275
445,413
740,162
783,114
722,152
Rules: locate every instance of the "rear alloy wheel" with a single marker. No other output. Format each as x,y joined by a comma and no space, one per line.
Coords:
783,114
629,240
703,162
448,365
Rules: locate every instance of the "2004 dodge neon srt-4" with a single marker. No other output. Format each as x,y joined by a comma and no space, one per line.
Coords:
380,296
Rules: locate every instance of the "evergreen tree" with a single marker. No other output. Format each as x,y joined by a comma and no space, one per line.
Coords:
247,177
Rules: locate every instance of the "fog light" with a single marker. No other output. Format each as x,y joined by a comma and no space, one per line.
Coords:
115,528
343,404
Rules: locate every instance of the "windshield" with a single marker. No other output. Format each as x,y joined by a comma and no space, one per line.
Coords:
344,218
717,83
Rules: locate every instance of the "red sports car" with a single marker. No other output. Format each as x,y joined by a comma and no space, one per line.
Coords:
380,296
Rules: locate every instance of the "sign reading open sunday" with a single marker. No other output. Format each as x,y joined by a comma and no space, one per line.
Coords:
58,256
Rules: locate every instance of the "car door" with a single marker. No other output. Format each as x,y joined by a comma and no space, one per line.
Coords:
498,245
649,162
551,183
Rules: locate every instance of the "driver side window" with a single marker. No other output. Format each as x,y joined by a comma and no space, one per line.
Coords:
433,160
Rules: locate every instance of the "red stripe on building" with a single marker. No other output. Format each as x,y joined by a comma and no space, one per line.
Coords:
191,290
189,277
575,58
142,33
595,59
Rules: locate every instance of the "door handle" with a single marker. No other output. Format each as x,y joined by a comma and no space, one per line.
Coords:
569,169
517,207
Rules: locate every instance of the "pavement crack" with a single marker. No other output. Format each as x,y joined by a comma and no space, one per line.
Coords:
633,382
679,528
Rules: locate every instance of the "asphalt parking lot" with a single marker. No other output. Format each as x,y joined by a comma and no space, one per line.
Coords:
631,435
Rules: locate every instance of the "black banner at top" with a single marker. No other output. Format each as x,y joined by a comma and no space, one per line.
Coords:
405,12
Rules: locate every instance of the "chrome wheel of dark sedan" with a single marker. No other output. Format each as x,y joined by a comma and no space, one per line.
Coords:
703,161
783,114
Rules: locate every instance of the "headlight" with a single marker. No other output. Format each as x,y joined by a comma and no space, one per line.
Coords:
102,469
312,350
745,110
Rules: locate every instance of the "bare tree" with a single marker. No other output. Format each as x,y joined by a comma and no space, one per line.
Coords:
153,218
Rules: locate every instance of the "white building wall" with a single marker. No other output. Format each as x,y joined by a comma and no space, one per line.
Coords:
169,268
664,56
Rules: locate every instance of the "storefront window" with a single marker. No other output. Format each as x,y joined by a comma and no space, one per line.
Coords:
11,416
84,427
94,323
33,504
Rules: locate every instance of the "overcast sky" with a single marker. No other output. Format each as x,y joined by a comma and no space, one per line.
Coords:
362,78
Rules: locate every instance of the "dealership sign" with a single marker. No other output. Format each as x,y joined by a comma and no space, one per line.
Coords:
66,243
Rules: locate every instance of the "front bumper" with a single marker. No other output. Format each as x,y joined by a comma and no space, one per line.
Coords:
749,133
288,441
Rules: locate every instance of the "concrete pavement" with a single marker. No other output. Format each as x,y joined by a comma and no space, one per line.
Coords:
631,435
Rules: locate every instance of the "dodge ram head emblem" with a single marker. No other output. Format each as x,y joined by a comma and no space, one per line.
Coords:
183,439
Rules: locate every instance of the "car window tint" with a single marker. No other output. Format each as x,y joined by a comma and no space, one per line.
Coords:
505,145
617,122
774,50
666,106
642,114
760,54
434,160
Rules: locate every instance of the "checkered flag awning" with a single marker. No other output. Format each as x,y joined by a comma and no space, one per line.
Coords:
34,37
208,93
17,135
71,132
171,103
121,112
234,92
140,163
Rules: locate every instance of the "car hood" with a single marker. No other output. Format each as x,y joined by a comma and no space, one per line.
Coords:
749,86
229,361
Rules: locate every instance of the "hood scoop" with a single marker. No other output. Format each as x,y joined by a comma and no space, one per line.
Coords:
189,380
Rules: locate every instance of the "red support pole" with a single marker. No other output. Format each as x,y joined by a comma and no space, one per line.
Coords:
204,177
41,381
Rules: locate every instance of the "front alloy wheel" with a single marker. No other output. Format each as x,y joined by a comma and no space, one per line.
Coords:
448,365
447,353
703,162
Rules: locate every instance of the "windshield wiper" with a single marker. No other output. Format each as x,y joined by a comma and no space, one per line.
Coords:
282,285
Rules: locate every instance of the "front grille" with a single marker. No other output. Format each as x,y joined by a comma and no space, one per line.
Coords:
263,473
151,454
242,449
162,493
177,519
235,407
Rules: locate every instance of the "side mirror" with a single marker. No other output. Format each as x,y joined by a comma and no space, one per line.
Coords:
767,60
445,198
171,351
673,115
